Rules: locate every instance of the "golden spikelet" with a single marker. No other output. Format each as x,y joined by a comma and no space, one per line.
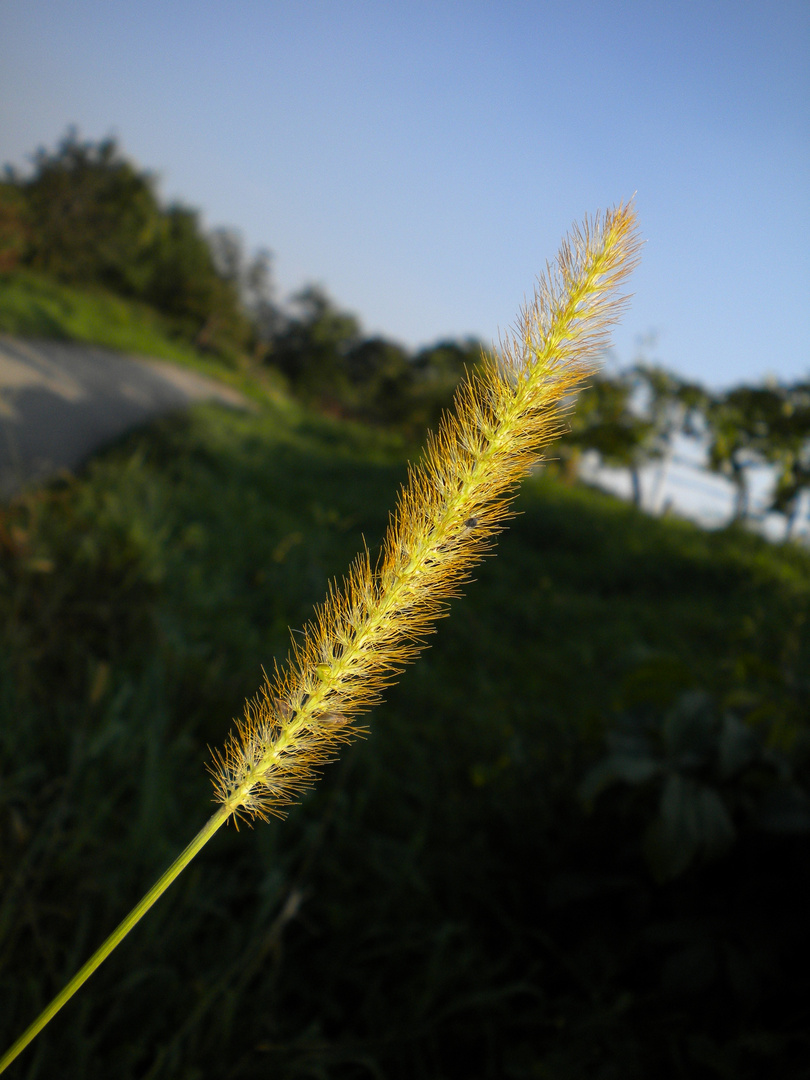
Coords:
449,511
452,506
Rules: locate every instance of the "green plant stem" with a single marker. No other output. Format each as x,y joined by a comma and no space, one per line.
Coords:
117,936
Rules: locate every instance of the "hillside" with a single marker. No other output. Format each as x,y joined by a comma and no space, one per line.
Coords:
34,305
444,904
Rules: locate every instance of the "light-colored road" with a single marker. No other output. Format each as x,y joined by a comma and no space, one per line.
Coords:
59,402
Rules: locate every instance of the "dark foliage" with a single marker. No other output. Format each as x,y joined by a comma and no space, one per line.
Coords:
442,905
87,216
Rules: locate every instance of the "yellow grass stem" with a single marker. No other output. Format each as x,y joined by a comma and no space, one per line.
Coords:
451,508
117,936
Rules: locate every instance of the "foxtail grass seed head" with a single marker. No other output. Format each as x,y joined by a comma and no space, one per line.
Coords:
448,513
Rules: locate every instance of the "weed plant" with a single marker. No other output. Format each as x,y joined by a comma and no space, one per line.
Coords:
439,906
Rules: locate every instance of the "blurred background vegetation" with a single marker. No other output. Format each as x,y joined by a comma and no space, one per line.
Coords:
575,840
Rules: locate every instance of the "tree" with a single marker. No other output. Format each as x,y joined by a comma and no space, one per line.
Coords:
312,346
227,254
742,425
258,296
607,421
253,281
185,284
93,217
381,375
672,407
14,227
88,216
789,451
437,371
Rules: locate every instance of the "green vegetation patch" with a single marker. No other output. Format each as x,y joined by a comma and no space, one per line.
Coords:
32,305
443,905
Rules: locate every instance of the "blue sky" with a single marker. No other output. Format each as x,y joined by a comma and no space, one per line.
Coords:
421,160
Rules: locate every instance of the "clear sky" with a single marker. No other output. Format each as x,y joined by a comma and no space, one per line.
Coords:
422,159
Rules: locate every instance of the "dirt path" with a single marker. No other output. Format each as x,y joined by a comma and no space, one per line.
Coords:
59,402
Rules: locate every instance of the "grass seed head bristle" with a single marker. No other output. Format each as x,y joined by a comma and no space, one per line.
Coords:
446,518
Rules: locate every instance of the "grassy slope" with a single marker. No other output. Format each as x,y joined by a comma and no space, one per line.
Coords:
403,918
34,306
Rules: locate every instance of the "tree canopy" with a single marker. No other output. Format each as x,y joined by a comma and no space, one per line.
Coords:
88,216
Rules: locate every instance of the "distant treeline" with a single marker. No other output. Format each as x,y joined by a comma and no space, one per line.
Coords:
87,216
633,418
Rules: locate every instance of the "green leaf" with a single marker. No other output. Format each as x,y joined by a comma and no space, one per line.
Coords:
617,768
692,819
667,852
716,832
785,809
690,729
737,746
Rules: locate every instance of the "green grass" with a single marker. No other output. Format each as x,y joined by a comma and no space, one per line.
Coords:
441,905
35,306
32,305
